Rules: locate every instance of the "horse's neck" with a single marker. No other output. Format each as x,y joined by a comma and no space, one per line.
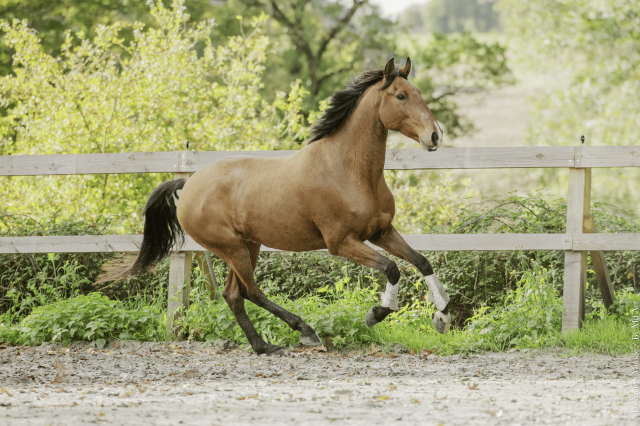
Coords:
362,140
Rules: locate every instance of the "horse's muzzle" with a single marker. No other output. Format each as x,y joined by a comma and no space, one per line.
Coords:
428,145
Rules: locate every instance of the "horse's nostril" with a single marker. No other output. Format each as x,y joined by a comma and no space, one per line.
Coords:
434,138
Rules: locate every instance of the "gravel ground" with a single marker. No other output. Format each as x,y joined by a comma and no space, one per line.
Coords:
181,383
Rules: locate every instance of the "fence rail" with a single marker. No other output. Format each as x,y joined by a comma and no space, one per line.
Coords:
425,242
579,238
396,159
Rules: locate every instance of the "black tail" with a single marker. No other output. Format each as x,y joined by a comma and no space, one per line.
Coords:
162,231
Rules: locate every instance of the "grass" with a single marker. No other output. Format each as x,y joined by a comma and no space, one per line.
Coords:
529,319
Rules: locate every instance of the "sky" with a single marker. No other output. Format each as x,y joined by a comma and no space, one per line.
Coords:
391,8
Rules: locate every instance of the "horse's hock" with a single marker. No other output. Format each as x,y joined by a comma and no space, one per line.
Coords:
580,236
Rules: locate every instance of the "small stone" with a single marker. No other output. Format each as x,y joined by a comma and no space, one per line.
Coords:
399,349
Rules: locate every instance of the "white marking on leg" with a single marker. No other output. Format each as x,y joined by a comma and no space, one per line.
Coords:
440,296
390,297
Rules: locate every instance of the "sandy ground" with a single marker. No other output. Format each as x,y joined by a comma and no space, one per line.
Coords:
182,383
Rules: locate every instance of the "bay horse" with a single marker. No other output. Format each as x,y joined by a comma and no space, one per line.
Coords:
329,195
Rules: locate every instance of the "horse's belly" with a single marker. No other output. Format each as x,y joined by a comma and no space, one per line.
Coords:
283,232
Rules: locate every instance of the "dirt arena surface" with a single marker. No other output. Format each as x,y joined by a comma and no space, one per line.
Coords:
131,383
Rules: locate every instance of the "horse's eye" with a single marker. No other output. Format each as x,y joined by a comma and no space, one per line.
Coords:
401,97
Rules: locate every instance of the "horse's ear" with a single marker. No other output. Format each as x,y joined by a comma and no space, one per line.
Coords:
389,70
406,68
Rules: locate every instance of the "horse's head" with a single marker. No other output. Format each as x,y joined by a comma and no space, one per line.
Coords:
402,108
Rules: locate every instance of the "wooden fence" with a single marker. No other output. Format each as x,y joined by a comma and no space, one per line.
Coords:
578,239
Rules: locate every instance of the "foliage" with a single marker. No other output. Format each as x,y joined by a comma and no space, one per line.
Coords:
93,317
52,19
598,44
530,317
340,315
421,210
38,279
155,96
449,64
451,16
321,42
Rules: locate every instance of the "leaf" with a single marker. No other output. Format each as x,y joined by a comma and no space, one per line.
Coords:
60,377
373,349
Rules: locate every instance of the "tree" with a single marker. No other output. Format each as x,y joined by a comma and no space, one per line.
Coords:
447,65
598,43
156,97
51,19
451,16
323,42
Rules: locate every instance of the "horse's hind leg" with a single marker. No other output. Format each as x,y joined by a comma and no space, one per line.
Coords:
233,297
242,262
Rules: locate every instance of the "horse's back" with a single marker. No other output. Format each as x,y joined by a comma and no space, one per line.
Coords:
255,197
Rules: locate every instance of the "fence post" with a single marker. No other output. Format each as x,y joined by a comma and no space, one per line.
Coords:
575,262
179,283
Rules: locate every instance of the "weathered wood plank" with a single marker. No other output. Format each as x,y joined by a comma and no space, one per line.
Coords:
396,159
79,164
606,242
71,244
490,242
600,266
210,279
179,288
192,161
179,279
608,156
480,158
575,263
427,242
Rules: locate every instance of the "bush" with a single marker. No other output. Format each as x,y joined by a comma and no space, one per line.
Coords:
531,315
30,280
93,318
335,311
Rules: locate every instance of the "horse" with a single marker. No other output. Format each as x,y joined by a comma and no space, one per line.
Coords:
331,195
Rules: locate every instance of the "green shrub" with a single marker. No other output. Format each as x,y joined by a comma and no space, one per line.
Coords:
531,316
336,311
29,280
93,318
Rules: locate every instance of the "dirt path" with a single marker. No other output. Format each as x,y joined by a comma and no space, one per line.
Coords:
190,384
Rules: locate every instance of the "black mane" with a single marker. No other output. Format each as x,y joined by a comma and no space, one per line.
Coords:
344,102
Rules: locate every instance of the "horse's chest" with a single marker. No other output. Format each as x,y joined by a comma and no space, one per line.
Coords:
372,221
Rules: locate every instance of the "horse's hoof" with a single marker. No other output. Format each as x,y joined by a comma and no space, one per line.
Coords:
376,314
442,322
438,294
310,338
369,319
276,351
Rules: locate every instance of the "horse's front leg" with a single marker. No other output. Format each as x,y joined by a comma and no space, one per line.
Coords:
391,241
354,249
